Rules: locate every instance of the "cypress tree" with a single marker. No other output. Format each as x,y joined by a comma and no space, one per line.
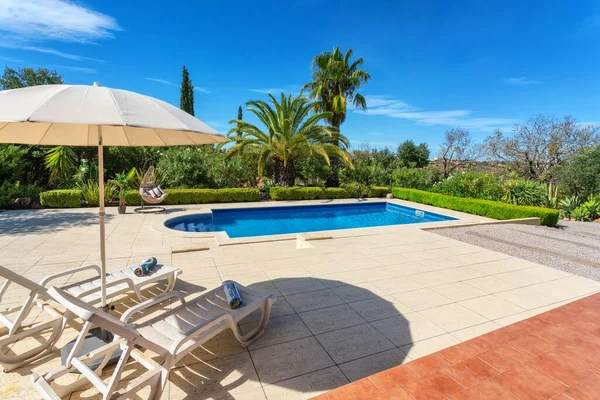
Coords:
240,115
186,101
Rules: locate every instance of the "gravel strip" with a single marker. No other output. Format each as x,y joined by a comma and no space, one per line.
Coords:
578,244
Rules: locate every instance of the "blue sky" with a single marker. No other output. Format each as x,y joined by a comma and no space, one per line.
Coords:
434,65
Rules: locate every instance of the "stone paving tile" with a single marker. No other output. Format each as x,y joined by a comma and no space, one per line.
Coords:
366,277
490,367
355,342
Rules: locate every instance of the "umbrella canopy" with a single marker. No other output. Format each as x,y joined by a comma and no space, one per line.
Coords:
71,115
78,115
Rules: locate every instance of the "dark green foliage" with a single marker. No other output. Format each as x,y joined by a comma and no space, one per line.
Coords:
186,100
581,175
12,162
23,77
9,193
413,156
205,167
307,193
199,196
356,190
415,178
61,198
485,208
568,205
525,193
379,191
477,185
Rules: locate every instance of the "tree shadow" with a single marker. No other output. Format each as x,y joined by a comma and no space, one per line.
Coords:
43,221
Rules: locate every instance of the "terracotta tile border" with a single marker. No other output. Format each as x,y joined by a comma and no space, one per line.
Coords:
554,355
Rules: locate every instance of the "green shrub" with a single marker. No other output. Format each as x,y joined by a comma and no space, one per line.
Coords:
472,184
9,193
414,178
91,193
199,196
592,206
61,198
485,208
568,205
356,190
378,191
307,193
525,193
580,214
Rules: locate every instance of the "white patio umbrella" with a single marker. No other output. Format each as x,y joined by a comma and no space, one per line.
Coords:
79,115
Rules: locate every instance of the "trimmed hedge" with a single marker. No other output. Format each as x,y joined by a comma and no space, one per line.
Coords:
485,208
378,191
307,193
61,198
199,196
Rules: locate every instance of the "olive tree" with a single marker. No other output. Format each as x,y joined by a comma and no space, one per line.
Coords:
457,150
536,146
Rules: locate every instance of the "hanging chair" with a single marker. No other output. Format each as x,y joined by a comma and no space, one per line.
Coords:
150,192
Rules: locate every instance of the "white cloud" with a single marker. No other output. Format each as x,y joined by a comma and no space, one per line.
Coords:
10,59
520,81
58,53
163,81
28,21
269,90
276,91
384,105
76,69
166,82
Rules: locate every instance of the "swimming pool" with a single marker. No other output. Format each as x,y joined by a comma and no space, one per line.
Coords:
260,221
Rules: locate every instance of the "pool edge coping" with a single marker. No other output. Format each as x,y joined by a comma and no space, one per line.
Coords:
223,239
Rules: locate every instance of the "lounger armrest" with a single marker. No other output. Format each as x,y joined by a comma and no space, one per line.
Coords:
195,332
151,302
47,279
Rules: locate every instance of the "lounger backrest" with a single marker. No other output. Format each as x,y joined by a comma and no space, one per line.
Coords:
93,315
12,276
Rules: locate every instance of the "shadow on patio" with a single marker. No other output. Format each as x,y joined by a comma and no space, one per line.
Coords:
321,335
44,221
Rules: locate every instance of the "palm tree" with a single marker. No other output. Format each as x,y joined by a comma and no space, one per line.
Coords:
335,82
292,131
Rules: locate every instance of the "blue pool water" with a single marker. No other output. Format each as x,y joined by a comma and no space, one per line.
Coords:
242,222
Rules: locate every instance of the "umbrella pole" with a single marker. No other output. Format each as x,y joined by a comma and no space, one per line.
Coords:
97,337
101,215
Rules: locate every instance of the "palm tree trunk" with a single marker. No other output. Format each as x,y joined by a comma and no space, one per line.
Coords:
289,174
333,179
277,172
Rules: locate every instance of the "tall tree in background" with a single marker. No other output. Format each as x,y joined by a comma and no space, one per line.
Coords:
23,77
239,131
412,156
35,157
335,81
457,150
536,146
186,101
291,133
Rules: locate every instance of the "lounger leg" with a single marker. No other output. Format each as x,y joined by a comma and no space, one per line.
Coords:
255,333
11,362
171,282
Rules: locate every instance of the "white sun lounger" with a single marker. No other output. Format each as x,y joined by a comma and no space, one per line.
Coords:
172,335
118,282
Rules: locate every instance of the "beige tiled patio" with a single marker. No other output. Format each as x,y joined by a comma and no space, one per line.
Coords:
347,307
